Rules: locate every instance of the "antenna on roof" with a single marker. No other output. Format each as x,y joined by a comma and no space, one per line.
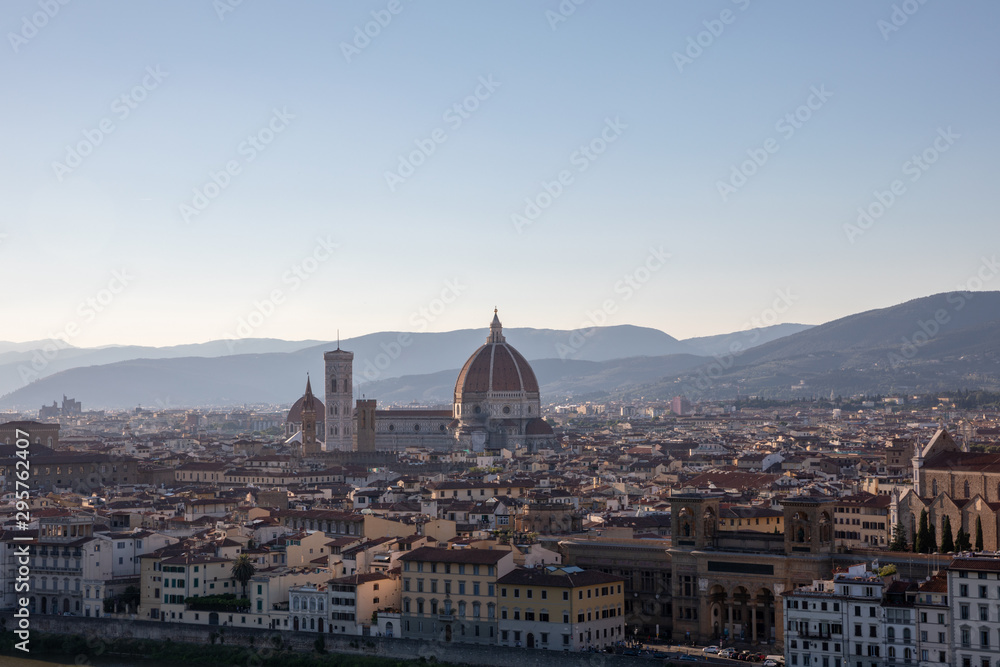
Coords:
338,339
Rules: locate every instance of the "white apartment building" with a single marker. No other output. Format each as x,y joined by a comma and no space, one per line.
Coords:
974,592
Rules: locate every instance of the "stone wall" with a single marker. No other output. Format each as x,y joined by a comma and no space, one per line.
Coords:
262,641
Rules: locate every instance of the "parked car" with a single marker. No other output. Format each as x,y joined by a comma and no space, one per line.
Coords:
727,653
710,649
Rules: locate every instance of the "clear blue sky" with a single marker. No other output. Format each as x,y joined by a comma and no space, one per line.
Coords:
678,128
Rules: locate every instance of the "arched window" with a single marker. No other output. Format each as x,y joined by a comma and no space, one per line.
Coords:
906,635
892,651
295,603
965,487
934,488
312,604
890,634
475,610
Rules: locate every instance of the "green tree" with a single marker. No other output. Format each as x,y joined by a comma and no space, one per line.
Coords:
962,542
979,534
932,538
243,571
947,539
898,538
923,534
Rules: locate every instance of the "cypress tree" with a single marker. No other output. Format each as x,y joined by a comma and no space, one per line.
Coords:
947,540
899,539
962,541
923,535
979,534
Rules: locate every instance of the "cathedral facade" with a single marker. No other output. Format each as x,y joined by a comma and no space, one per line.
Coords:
496,404
950,481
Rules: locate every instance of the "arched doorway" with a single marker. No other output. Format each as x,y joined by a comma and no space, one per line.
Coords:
319,625
45,605
388,629
740,614
295,623
65,605
718,605
447,632
764,616
531,640
213,618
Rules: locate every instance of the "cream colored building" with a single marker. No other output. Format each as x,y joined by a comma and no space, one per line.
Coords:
560,608
450,594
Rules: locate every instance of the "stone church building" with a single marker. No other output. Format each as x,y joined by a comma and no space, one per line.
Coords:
496,404
950,481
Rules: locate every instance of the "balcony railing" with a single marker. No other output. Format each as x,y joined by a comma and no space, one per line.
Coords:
58,568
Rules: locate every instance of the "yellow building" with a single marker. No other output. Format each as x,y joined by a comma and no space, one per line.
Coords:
167,579
450,594
749,517
560,608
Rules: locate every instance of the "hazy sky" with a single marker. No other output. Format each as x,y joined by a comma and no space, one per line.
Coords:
694,165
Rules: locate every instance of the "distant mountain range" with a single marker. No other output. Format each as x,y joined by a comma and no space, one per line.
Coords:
945,341
393,366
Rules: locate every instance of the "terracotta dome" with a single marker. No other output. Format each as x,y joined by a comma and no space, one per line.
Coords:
496,366
295,414
538,426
